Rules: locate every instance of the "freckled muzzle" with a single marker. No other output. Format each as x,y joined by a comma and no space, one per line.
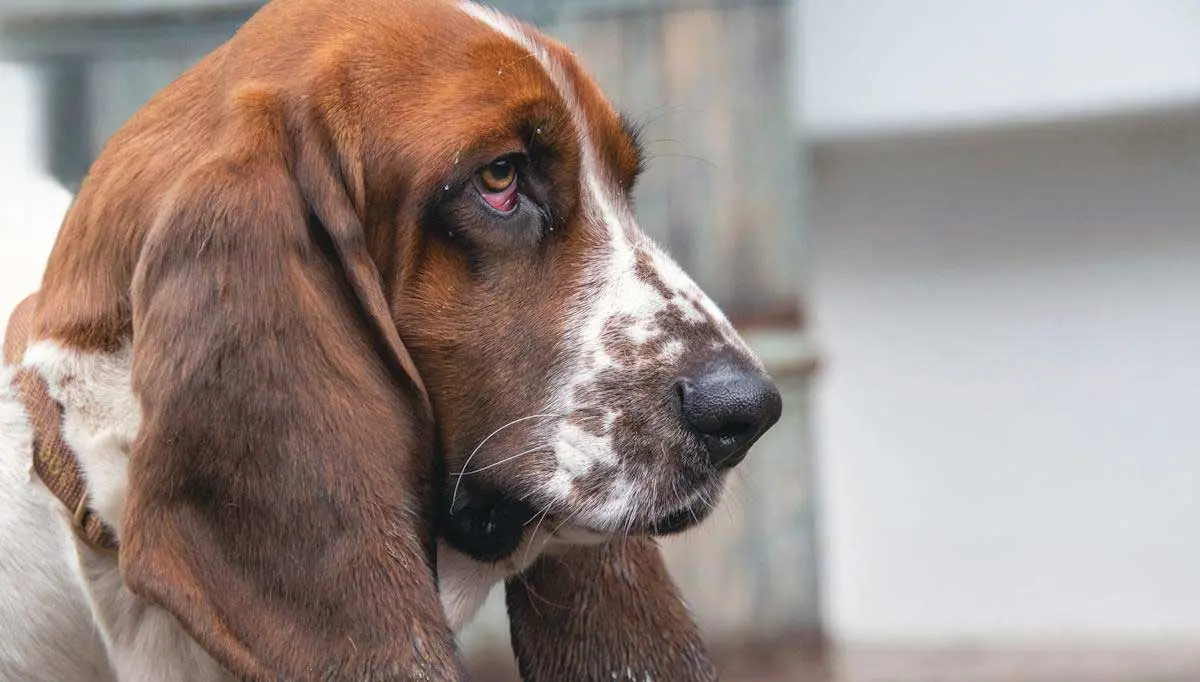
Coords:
644,449
725,403
663,398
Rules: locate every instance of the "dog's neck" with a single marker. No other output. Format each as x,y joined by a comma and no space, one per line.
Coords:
484,543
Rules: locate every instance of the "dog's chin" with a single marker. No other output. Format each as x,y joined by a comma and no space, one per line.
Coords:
491,531
662,524
490,525
680,521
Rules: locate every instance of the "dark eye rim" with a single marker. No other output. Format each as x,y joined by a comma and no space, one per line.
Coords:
516,162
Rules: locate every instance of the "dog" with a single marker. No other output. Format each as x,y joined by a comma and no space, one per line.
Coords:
349,324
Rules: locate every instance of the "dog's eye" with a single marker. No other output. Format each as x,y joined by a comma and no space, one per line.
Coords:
498,175
497,184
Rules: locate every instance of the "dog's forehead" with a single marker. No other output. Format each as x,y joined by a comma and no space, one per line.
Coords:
609,155
637,282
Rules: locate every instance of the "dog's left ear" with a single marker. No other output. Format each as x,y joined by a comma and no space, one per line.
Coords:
281,482
604,612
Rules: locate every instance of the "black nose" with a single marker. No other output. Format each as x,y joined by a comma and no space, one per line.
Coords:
729,408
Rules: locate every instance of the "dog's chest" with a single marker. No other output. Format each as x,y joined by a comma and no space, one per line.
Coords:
465,583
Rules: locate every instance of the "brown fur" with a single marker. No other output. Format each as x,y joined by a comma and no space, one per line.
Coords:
615,615
274,235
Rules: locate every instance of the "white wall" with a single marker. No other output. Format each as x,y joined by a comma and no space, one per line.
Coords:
1007,427
20,126
31,204
871,65
32,207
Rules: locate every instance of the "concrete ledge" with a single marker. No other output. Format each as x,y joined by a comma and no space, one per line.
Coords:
787,353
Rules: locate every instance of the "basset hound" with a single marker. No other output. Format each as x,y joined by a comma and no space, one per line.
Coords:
347,325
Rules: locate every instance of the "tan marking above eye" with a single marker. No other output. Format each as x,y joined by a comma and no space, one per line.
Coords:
498,175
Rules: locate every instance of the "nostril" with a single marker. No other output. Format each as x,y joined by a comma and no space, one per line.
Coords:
681,390
728,408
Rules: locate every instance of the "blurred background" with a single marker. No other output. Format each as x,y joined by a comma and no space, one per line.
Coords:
965,236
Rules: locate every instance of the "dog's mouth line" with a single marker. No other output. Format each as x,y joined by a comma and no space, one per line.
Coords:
692,511
489,522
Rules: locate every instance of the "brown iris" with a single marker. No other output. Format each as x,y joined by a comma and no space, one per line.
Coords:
497,176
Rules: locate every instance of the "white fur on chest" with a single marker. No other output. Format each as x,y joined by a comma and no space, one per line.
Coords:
465,583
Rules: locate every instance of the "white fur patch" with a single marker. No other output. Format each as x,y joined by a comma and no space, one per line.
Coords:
578,450
465,583
141,642
615,510
145,643
46,624
100,417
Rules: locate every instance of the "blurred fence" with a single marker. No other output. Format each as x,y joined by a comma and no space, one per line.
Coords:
100,60
709,80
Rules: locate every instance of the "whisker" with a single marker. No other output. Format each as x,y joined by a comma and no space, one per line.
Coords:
691,157
625,522
708,503
454,495
543,510
564,522
551,534
533,536
506,459
632,512
525,582
661,112
679,499
653,492
532,592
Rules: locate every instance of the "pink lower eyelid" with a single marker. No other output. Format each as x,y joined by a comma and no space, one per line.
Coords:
502,201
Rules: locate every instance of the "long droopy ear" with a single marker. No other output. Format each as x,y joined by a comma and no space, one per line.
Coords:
280,482
606,612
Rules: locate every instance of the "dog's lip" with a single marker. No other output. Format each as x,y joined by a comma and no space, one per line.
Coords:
579,535
671,523
679,521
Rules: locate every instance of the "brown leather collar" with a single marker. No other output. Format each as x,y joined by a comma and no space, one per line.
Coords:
53,459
